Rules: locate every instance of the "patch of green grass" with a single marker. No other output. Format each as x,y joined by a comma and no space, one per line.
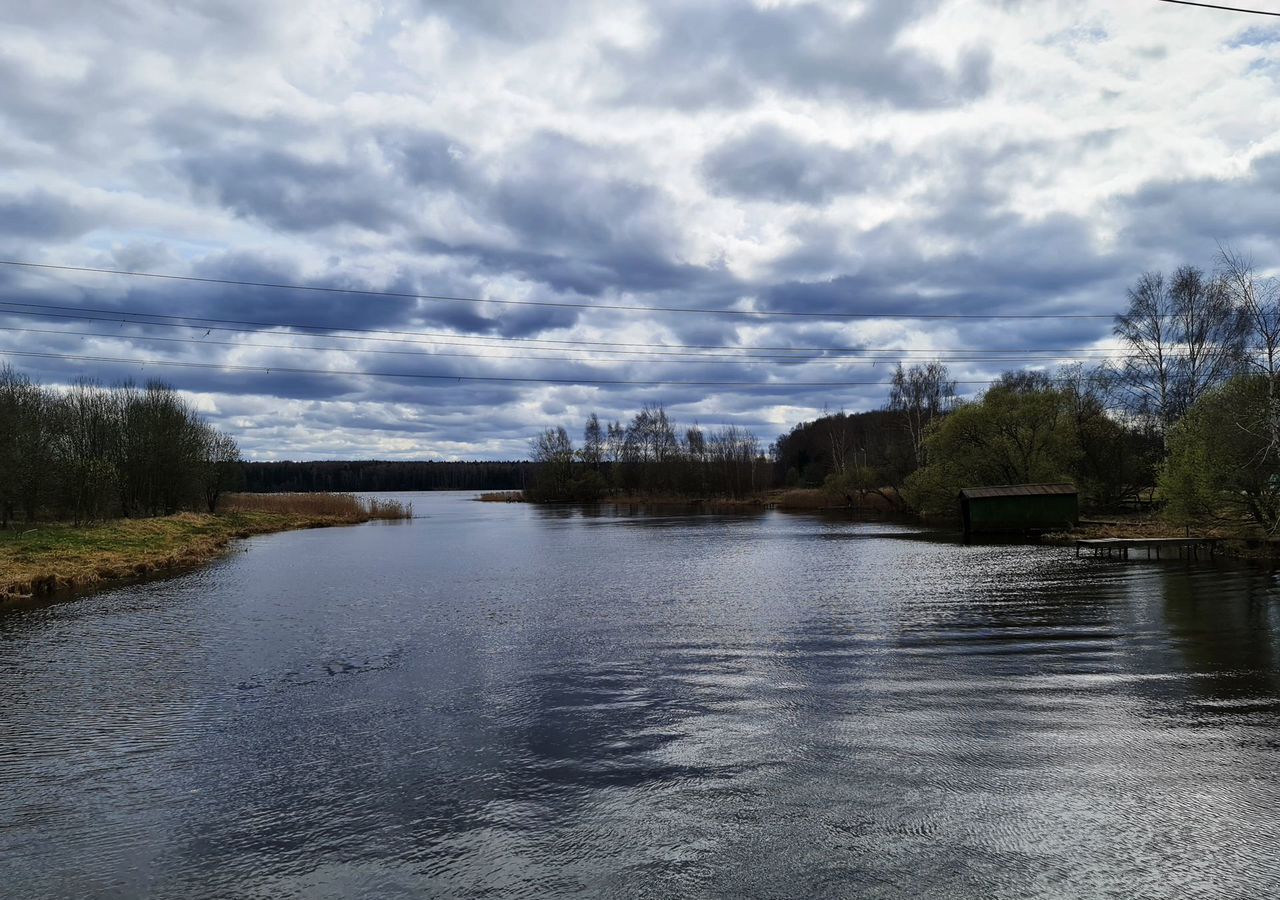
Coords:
47,558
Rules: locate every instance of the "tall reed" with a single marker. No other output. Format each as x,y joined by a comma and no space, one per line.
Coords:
344,506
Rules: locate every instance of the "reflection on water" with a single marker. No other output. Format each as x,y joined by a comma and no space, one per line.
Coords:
499,700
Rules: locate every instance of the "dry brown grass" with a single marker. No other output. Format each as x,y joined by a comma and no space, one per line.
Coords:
502,497
1140,526
805,498
339,506
51,558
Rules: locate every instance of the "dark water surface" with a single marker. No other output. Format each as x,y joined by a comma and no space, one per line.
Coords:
503,701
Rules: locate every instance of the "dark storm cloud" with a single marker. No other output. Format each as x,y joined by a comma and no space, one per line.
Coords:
561,195
55,111
766,163
258,304
723,54
39,215
286,191
1190,216
427,158
556,213
1044,264
590,271
559,214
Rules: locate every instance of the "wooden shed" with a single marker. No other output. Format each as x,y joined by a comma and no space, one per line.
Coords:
1014,508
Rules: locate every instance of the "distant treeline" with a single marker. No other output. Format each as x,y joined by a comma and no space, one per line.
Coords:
91,452
1186,412
649,456
373,475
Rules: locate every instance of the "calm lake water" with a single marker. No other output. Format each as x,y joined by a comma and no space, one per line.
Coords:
503,701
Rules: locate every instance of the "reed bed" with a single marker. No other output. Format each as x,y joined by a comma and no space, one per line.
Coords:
806,498
348,507
502,497
52,557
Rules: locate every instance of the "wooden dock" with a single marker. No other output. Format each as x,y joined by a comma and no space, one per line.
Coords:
1184,548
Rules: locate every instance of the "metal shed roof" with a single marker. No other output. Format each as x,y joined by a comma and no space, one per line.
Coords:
1017,490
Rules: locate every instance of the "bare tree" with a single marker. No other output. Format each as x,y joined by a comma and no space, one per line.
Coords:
220,465
25,454
733,454
553,452
695,454
921,395
1209,331
652,443
1148,374
1257,301
89,452
1183,336
89,431
840,435
593,442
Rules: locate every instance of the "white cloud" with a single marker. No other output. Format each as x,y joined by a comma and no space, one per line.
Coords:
963,155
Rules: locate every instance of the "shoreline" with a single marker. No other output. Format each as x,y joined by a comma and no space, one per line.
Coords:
1237,543
53,559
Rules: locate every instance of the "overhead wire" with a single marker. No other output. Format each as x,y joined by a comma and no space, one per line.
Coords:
657,353
726,360
137,317
553,304
1237,9
439,376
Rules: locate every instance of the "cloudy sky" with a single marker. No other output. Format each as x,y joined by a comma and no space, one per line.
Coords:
836,159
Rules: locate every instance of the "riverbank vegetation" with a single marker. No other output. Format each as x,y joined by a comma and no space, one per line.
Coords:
1184,417
58,556
341,507
102,483
90,453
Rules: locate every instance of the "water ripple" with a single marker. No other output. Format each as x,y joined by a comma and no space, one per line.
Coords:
646,707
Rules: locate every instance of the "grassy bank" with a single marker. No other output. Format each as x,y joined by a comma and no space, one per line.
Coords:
48,558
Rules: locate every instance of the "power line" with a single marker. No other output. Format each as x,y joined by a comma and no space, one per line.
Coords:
135,317
724,360
1255,12
294,370
554,304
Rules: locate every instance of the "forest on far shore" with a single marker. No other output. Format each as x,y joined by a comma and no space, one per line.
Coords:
1186,413
379,475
